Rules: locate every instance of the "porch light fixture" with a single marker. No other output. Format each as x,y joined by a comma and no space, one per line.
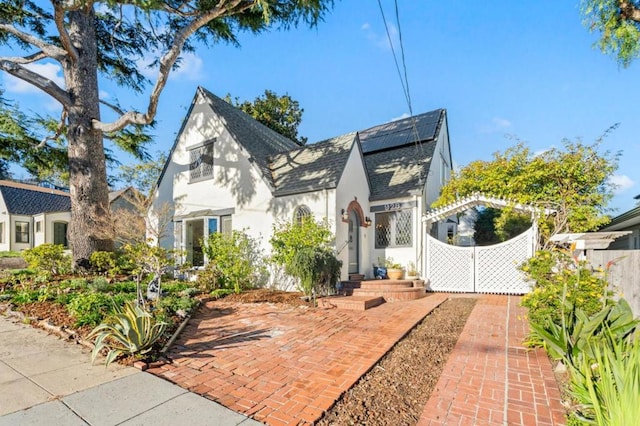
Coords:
345,215
367,221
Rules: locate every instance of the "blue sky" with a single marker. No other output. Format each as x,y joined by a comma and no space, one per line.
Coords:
504,70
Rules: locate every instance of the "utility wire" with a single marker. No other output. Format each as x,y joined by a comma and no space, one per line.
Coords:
404,80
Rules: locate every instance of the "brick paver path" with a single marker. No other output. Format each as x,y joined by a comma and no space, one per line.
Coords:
284,365
490,379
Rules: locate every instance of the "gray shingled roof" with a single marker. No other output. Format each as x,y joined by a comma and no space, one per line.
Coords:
259,140
313,167
397,172
396,164
29,200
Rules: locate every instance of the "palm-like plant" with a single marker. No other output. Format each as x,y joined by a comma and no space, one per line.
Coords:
131,331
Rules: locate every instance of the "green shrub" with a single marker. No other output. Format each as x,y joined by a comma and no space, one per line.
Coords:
89,308
318,269
209,278
607,385
99,284
105,262
131,330
174,287
552,271
49,258
236,260
177,305
290,237
219,293
123,287
25,296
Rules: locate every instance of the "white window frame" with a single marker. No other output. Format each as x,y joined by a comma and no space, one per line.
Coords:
28,240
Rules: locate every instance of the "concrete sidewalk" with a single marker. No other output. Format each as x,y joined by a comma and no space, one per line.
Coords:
45,381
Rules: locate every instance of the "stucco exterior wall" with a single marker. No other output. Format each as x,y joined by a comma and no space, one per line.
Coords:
5,239
12,232
439,174
235,183
353,186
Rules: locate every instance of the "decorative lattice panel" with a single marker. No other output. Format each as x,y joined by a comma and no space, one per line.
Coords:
404,228
449,268
496,267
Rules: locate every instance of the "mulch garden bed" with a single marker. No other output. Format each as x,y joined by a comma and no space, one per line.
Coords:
396,390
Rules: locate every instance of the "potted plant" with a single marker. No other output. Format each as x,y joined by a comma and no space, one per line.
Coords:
395,271
412,271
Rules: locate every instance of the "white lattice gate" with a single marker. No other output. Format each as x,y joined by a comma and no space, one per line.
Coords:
489,269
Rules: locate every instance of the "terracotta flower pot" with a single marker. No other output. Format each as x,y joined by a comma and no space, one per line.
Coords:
395,274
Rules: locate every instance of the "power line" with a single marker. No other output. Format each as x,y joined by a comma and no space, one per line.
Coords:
404,79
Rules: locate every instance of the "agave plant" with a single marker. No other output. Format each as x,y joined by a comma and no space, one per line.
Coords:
131,330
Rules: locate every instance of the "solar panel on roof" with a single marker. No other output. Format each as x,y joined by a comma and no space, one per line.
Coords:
400,133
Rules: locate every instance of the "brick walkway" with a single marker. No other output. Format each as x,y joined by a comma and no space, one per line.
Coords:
490,379
286,366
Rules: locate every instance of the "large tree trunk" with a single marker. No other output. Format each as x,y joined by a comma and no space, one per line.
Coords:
91,227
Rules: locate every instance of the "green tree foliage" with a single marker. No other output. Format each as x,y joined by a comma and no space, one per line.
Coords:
618,22
107,39
280,113
573,181
22,144
144,175
236,260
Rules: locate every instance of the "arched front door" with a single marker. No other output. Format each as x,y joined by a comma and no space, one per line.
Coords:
354,243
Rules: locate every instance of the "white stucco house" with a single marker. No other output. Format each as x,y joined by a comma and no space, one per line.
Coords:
227,171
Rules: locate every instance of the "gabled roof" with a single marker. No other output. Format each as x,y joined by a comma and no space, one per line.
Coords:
260,141
313,167
398,154
29,200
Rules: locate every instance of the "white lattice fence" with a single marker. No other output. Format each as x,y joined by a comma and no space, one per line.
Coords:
449,268
490,269
496,267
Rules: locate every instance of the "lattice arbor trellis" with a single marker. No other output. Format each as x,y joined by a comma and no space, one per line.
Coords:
490,269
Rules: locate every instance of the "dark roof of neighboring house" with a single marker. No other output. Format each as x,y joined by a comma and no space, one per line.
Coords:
260,141
628,218
313,167
398,154
29,200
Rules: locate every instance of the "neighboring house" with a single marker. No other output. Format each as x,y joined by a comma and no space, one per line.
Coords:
627,221
31,215
227,171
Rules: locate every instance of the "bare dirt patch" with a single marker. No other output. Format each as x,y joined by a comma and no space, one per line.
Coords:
263,295
396,390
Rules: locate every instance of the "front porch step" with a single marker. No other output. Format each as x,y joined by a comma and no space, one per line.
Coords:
356,303
399,294
386,284
356,277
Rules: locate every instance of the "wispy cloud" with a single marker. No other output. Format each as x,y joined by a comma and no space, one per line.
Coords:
403,116
381,39
622,183
190,67
497,125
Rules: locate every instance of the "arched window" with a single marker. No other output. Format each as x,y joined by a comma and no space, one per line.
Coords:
300,213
